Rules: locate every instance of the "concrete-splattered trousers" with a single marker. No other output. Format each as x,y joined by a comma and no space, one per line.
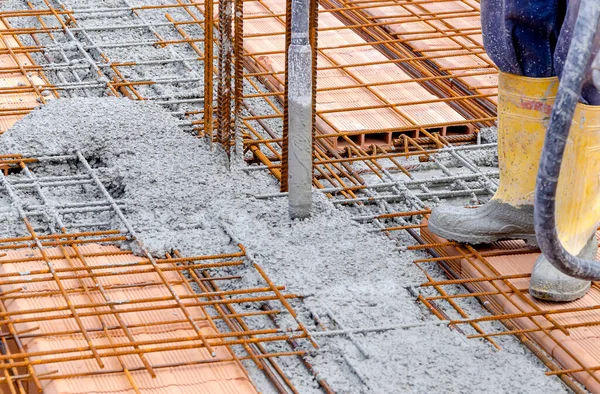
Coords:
532,38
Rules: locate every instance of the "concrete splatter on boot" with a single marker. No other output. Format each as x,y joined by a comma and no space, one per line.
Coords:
549,284
577,207
524,108
491,222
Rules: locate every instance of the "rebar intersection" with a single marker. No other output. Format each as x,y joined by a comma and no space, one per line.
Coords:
74,308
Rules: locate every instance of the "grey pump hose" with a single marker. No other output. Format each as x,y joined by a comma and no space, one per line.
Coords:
571,82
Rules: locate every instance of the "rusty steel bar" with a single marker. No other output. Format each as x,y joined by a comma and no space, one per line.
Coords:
284,187
79,268
295,345
224,74
238,53
500,316
208,69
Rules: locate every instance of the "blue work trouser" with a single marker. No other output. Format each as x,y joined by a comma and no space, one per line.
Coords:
532,37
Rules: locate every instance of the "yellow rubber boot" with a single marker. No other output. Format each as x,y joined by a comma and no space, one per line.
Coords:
577,207
524,108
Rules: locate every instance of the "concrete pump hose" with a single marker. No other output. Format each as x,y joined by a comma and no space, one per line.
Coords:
578,58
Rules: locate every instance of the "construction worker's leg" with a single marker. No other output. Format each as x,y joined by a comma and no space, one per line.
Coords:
578,192
520,38
524,106
590,93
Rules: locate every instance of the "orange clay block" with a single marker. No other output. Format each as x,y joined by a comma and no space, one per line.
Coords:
208,376
406,97
580,350
437,28
14,106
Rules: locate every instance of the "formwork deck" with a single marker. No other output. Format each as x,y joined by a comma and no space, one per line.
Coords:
21,88
498,275
191,370
358,88
80,314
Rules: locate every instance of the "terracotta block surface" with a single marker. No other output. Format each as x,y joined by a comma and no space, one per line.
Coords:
460,16
580,349
352,52
217,377
15,101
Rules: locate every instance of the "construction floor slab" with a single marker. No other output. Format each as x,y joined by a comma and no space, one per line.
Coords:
498,275
190,370
369,182
81,316
20,90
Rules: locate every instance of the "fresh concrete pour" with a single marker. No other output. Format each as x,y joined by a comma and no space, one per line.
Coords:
179,194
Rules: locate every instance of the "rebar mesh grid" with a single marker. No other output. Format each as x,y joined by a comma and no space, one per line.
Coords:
73,307
393,187
153,52
370,90
561,335
364,97
451,28
21,83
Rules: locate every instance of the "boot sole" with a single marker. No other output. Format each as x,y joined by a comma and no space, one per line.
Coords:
550,296
473,239
547,289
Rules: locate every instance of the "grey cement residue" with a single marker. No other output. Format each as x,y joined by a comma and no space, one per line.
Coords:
489,134
486,224
486,157
482,157
177,193
156,199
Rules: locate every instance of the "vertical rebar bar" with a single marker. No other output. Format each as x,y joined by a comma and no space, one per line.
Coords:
238,52
314,39
284,135
224,88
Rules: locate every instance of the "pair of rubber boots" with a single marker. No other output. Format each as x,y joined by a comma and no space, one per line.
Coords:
524,108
